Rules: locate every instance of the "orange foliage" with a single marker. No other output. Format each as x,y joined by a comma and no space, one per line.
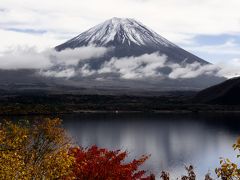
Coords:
96,164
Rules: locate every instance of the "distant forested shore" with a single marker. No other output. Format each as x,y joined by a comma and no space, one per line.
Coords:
26,104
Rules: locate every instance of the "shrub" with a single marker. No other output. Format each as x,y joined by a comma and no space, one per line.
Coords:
97,164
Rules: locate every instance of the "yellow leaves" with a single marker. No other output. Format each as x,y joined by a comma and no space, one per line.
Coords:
229,170
37,151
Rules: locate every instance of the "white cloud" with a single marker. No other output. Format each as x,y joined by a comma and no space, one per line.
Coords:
149,65
142,67
135,67
129,68
192,70
24,58
73,56
30,58
66,64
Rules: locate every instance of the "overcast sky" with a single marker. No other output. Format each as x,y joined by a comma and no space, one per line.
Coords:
207,28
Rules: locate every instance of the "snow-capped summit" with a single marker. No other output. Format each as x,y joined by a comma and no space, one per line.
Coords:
128,37
120,31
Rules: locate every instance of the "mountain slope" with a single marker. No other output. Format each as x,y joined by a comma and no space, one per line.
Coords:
129,37
226,93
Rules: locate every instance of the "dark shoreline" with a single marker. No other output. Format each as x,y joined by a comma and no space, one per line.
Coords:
48,104
120,112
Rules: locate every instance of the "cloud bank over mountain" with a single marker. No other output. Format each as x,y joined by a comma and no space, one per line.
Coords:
66,64
155,65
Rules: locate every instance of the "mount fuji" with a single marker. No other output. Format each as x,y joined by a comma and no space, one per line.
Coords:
137,60
128,42
129,37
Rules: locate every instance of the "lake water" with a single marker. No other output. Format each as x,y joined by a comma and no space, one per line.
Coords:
173,140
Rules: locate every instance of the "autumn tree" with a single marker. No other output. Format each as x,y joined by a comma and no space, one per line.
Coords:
101,164
34,151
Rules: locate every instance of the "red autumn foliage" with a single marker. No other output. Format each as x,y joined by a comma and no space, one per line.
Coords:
97,164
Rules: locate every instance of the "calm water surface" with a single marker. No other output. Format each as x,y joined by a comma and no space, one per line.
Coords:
173,140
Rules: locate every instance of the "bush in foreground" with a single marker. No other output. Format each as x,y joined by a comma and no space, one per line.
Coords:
95,164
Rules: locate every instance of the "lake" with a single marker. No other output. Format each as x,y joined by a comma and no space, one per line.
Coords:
172,139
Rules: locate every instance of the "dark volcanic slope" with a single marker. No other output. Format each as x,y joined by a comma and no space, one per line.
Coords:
226,93
129,37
